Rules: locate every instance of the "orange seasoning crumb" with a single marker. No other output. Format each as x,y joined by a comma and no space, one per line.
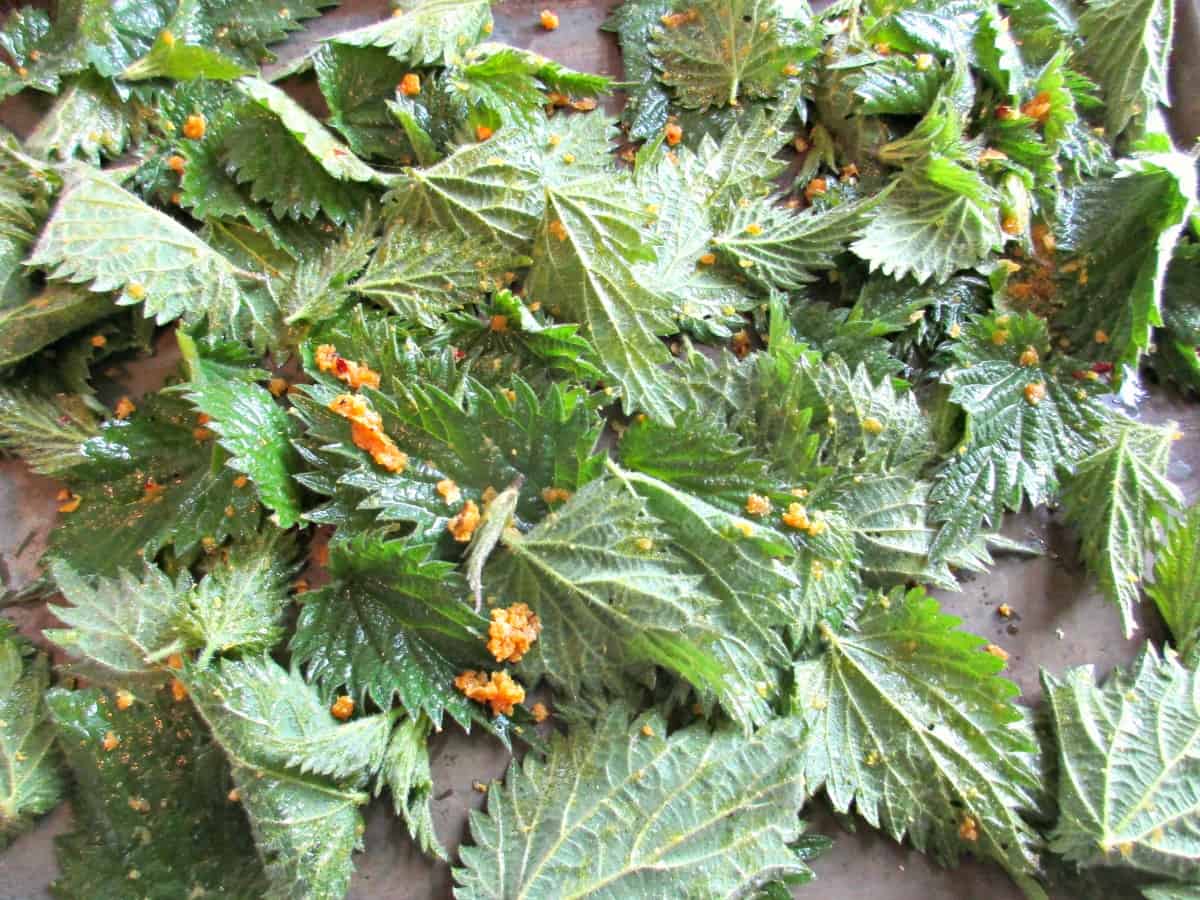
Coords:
548,20
758,505
999,652
410,84
176,163
463,525
178,691
815,188
124,699
512,632
98,340
707,259
498,690
558,229
70,505
343,707
498,323
278,386
673,132
1029,357
175,661
125,408
1039,107
1004,611
796,517
555,495
110,742
740,344
366,430
449,491
968,829
483,132
355,374
241,481
194,127
1035,393
540,713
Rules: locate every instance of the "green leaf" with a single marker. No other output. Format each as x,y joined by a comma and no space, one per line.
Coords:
609,601
940,217
357,84
238,607
1129,785
319,286
730,49
585,262
510,82
47,431
1176,587
647,104
1126,44
423,274
255,430
426,32
148,482
484,190
164,780
747,574
88,120
393,623
126,626
1172,892
1119,497
912,725
243,29
895,86
268,721
1017,435
784,248
291,160
618,809
1123,229
101,234
44,318
171,58
406,774
30,783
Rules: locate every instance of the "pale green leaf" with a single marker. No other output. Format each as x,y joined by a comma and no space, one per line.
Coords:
406,774
1119,498
426,32
171,58
87,120
1176,587
1129,775
30,783
911,724
620,810
306,826
47,431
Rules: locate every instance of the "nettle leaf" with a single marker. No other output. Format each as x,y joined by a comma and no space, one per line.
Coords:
46,431
731,49
172,58
243,29
148,482
423,274
164,774
939,217
784,248
479,438
30,783
509,82
319,285
255,430
291,160
585,263
41,320
90,100
716,809
357,83
1176,587
1125,48
1122,230
1129,779
526,340
481,190
238,607
895,86
911,724
101,234
393,623
126,626
612,596
271,726
647,104
1119,498
1025,419
407,776
426,32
